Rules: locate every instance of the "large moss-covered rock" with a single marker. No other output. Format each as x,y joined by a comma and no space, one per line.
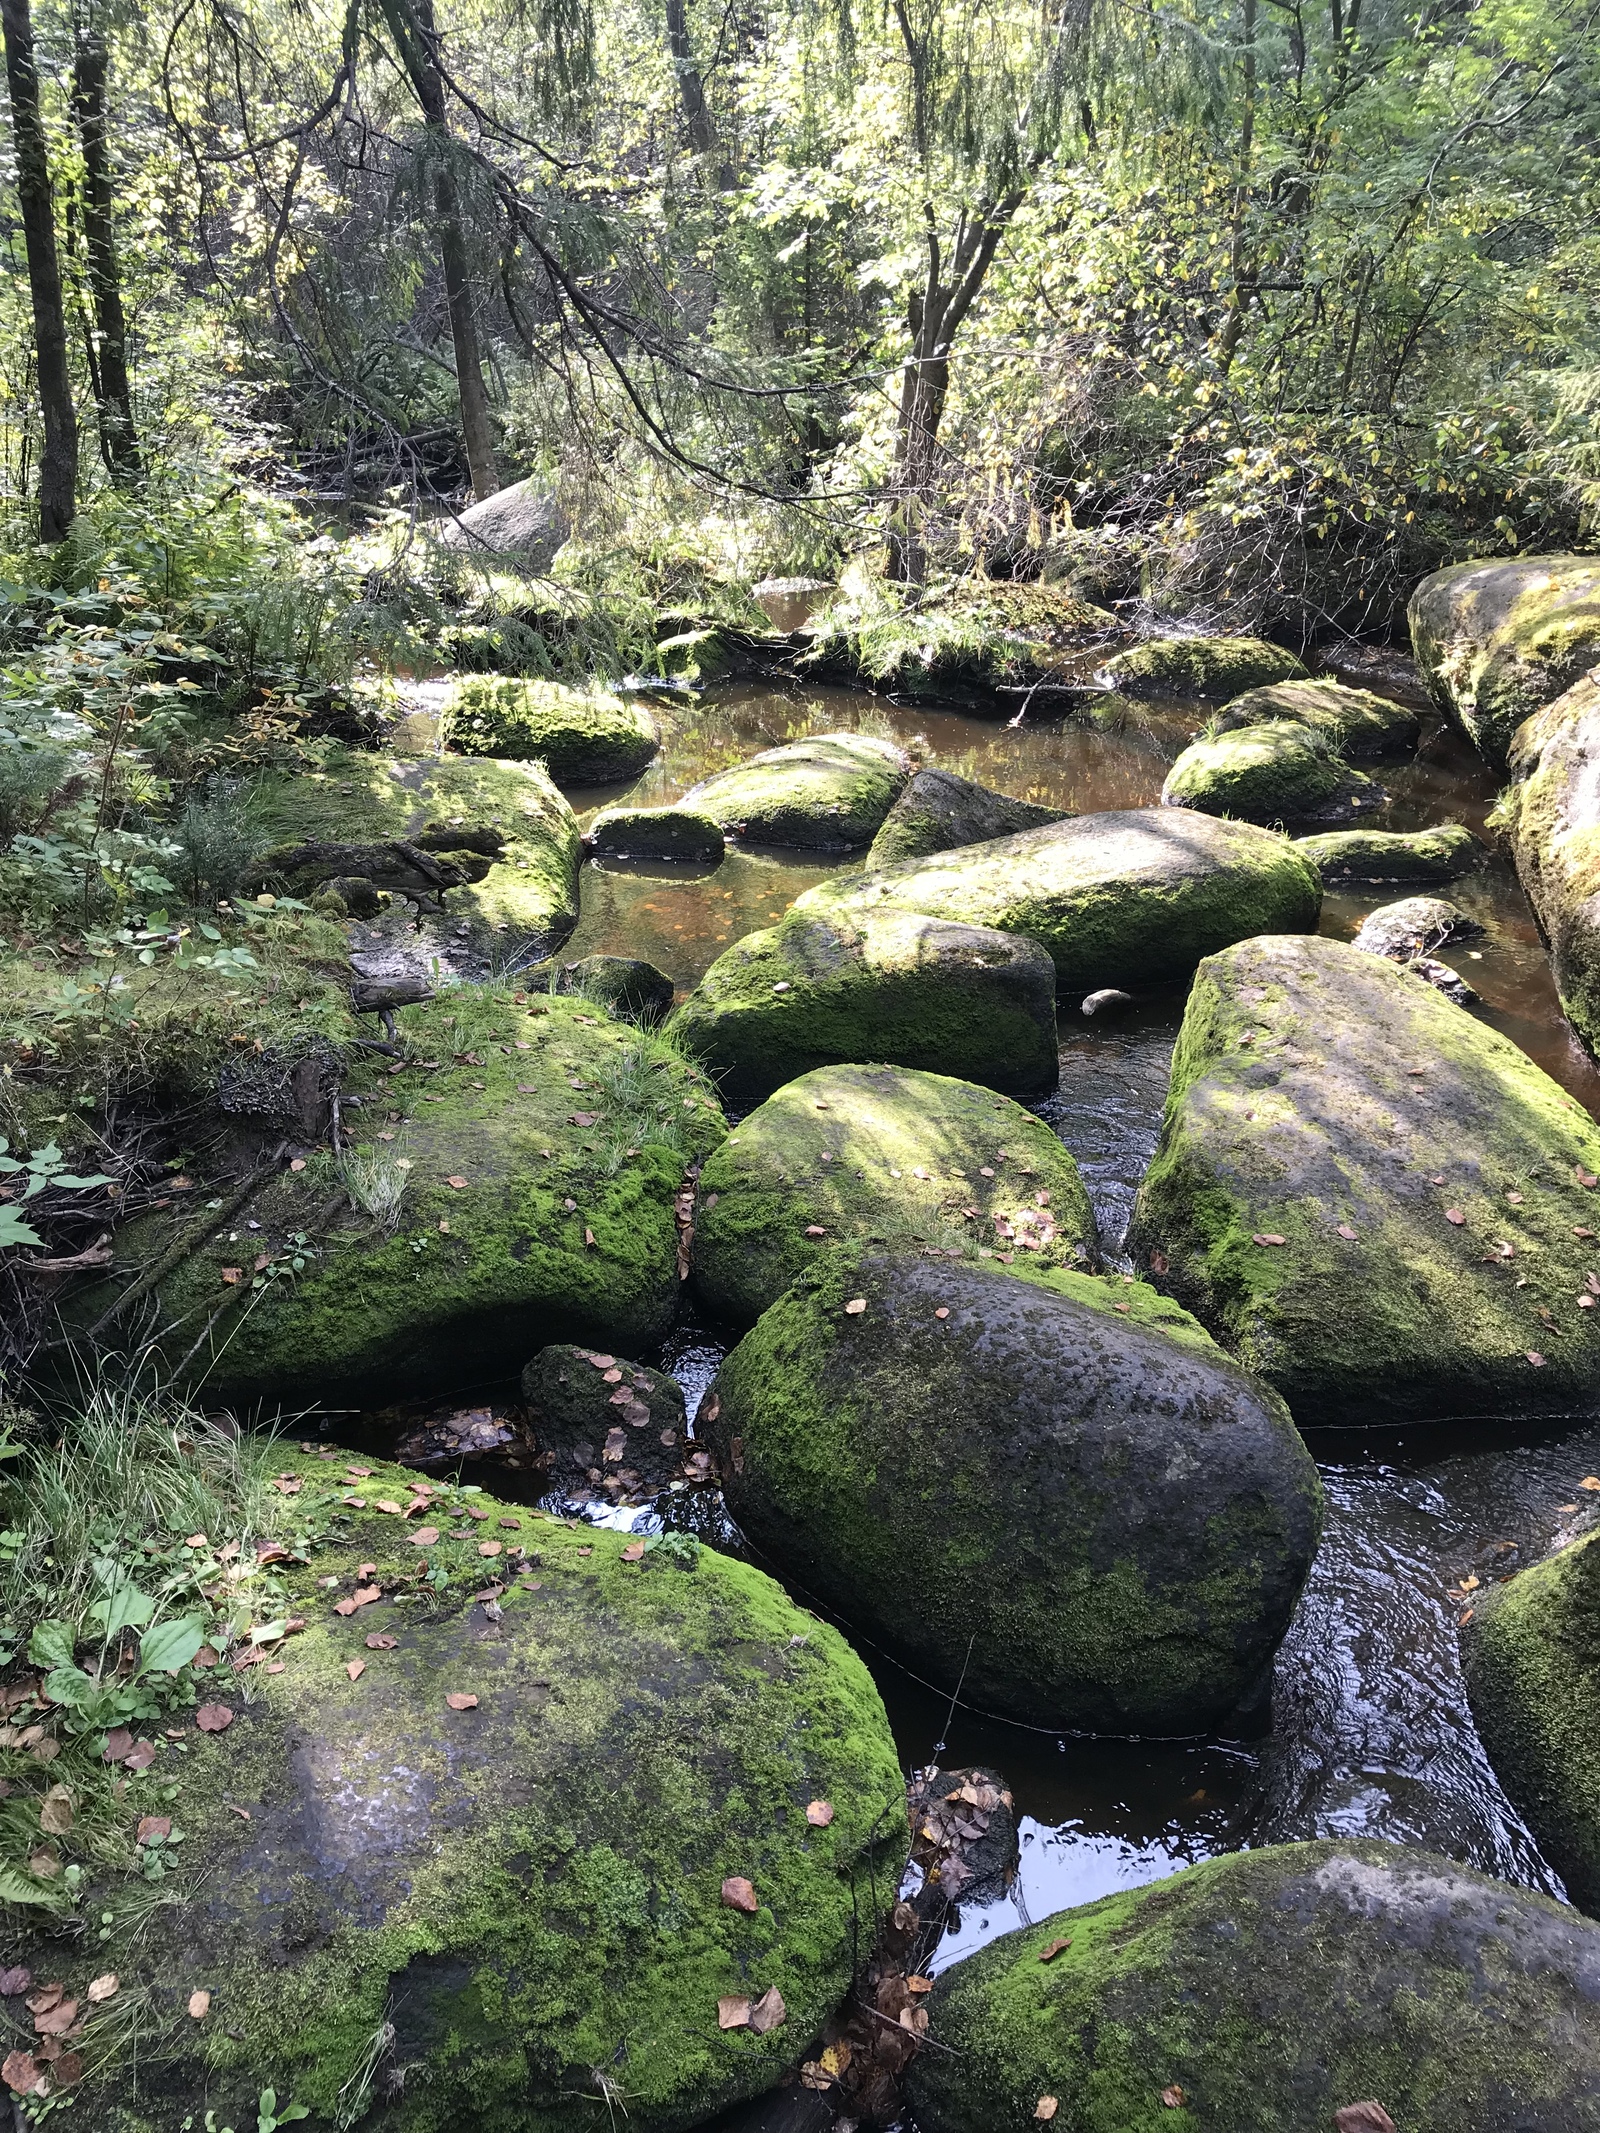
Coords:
938,811
497,1210
1127,898
682,833
582,736
503,1918
1264,1991
978,643
1352,721
1497,640
608,1426
819,989
1203,666
829,792
1282,771
1439,854
1532,1656
508,812
1372,1199
1055,1489
878,1154
624,985
1552,818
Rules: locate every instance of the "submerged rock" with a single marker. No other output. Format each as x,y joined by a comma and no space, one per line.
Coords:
829,792
938,811
1439,854
1372,1199
582,736
654,833
819,990
1265,1991
1414,926
482,1883
497,1209
1055,1490
624,985
1552,816
875,1154
1352,721
1203,666
1137,895
612,1428
1497,640
1283,771
1532,1660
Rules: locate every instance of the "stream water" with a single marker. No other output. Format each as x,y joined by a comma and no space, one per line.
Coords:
1371,1732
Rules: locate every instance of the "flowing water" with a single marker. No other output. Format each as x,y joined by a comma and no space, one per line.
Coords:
1371,1732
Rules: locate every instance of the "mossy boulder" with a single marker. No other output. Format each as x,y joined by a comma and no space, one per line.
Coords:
1532,1662
976,643
1551,817
1439,854
874,1153
1202,666
819,990
582,736
1282,771
829,792
609,1426
507,812
1055,1490
503,1918
499,1208
1352,721
624,985
1372,1199
1264,1991
1415,926
938,811
1120,898
654,833
1496,640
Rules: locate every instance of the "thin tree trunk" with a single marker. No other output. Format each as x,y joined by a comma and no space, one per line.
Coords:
58,468
119,440
691,89
412,26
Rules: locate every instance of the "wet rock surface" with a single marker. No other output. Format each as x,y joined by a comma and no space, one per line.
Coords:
1496,640
1354,722
938,811
830,792
1415,926
612,1429
1552,817
654,833
1432,855
1203,666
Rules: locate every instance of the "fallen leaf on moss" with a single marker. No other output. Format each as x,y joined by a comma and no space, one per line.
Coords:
855,1307
1046,2107
459,1700
490,1547
23,2073
152,1826
768,2012
733,2013
213,1718
1590,1481
1344,1230
242,1812
199,2005
819,1814
379,1641
943,1311
103,1987
55,1811
739,1894
425,1536
355,1668
815,1229
1268,1236
1173,2097
456,1184
1535,1358
1049,1954
1368,2117
233,1275
1454,1214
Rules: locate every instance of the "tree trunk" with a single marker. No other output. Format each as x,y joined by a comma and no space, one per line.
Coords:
412,26
58,469
691,89
119,441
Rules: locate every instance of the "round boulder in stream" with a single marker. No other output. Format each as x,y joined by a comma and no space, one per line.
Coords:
530,1830
853,1154
829,792
582,736
1283,771
610,1427
1372,1199
1495,640
939,811
1202,666
1353,721
1266,1991
1433,855
1055,1491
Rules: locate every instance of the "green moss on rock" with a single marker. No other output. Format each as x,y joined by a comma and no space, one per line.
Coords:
554,1229
506,1918
1352,721
654,833
1532,1659
828,792
1012,1483
938,811
816,990
1496,640
1283,771
877,1153
1551,816
1203,666
582,736
1432,855
1295,1114
1271,1988
1122,898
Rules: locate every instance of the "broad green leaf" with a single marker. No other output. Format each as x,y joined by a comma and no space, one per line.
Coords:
170,1645
125,1608
71,1686
13,1230
51,1644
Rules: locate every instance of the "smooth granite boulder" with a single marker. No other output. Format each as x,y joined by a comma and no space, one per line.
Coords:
1124,898
1552,818
1352,721
1496,640
1372,1199
523,525
1415,926
1283,771
1054,1490
654,833
1274,1991
829,792
874,1154
1202,666
938,811
582,736
1443,853
479,1885
1532,1662
821,990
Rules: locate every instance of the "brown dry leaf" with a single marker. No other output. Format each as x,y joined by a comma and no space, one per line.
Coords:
1173,2097
919,1984
855,1307
387,1503
1535,1358
459,1700
819,1814
55,1811
1590,1481
1368,2117
733,2012
207,1655
199,2005
66,2070
213,1718
425,1536
355,1668
152,1826
140,1756
1046,2108
46,1996
43,1864
943,1311
815,1229
1344,1230
22,2073
56,2019
490,1547
359,1473
768,2012
1268,1236
739,1894
456,1184
233,1275
15,1981
1454,1214
379,1642
118,1741
102,1988
1049,1954
633,1552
